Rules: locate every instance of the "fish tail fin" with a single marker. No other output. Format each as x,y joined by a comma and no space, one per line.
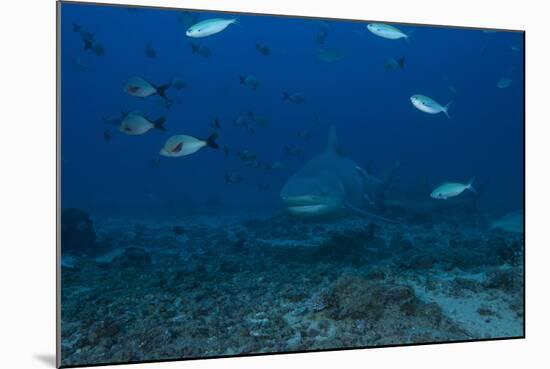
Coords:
401,62
159,124
161,90
286,95
446,109
76,27
241,78
470,185
194,48
87,44
211,141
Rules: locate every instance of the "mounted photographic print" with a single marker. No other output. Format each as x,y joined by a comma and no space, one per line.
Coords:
240,184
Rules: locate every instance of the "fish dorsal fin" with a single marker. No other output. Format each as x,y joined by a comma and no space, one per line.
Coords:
333,145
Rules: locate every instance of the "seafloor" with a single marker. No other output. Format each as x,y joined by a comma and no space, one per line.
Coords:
227,285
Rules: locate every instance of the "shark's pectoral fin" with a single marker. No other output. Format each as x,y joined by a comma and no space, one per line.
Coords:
370,215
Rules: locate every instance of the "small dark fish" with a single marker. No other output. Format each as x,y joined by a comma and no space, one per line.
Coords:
150,51
246,155
155,162
178,230
330,55
84,35
392,63
107,135
292,151
88,39
232,178
169,102
88,44
178,84
274,166
216,123
240,122
249,81
321,36
201,50
77,27
258,119
294,98
262,187
226,150
253,164
79,65
263,49
250,129
306,135
245,122
98,49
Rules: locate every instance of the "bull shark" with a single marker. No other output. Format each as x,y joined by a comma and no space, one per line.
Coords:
330,182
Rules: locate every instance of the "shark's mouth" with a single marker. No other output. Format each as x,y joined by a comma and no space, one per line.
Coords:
308,205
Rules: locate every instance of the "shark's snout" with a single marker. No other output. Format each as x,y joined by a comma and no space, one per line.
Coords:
312,195
305,206
309,205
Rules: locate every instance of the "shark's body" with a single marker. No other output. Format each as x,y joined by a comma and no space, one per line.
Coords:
330,183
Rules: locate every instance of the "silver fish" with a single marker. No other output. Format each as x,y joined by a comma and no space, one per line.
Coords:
183,145
294,98
386,31
135,124
208,27
249,81
451,189
429,105
139,87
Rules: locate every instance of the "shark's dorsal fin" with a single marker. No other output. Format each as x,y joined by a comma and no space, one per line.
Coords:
333,145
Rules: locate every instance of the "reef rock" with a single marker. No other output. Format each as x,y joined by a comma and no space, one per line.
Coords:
380,303
77,232
132,257
358,298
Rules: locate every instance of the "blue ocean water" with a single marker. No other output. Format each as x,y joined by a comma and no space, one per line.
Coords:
347,80
368,104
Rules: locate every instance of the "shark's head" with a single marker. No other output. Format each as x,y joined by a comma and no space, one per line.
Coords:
313,196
